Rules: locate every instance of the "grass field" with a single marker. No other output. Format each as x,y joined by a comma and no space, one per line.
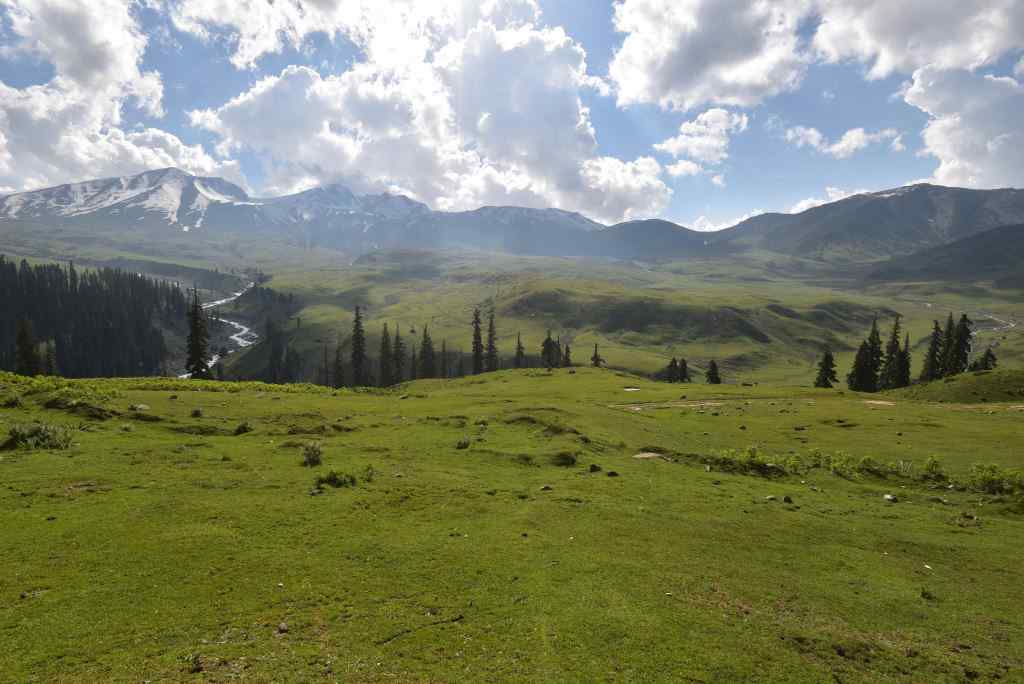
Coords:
478,545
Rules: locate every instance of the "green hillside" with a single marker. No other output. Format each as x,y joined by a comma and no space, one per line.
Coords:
970,388
178,537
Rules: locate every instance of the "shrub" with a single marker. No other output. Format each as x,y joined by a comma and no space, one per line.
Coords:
243,427
933,471
463,443
12,402
38,436
564,459
312,454
369,473
869,466
991,479
197,413
335,479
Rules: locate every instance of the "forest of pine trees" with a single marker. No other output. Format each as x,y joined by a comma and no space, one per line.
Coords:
102,323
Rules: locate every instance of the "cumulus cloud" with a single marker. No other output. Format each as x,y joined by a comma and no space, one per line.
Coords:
974,126
832,194
69,128
851,142
903,36
706,138
682,54
426,127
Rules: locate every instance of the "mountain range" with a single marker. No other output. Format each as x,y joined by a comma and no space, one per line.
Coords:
863,227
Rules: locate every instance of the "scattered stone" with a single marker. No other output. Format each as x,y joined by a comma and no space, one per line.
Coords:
463,443
546,488
612,473
716,482
770,497
316,491
743,427
645,455
139,407
173,397
787,499
707,469
282,628
404,396
594,468
890,498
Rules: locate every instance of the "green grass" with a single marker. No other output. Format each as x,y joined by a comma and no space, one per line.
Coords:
145,552
971,388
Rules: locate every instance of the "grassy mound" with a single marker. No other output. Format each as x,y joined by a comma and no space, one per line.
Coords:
971,388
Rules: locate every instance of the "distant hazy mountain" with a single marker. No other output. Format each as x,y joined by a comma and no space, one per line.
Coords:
996,254
170,201
881,224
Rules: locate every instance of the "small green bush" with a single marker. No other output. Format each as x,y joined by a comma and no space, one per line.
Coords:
932,471
564,459
991,479
243,427
197,413
38,436
369,474
312,454
336,480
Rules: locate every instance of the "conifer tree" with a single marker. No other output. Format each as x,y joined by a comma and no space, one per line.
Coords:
197,350
478,344
442,365
549,352
713,377
398,356
428,364
672,371
948,346
932,367
491,359
961,346
596,361
826,370
386,359
888,378
567,356
862,377
875,350
357,359
520,360
904,370
414,364
26,355
987,361
684,371
339,366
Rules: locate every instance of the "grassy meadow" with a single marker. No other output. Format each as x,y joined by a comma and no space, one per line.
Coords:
575,525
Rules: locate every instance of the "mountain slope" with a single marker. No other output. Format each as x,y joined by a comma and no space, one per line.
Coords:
878,224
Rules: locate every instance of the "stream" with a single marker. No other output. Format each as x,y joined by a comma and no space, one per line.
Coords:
243,335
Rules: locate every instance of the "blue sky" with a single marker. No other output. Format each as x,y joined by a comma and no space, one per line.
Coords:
536,102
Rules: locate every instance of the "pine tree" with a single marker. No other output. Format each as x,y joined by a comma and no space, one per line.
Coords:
357,360
549,352
520,360
567,356
478,344
961,346
932,368
862,377
713,377
987,361
826,370
26,355
398,356
386,360
339,366
672,371
442,365
904,370
428,364
491,359
889,376
414,364
948,346
197,349
596,361
684,371
875,350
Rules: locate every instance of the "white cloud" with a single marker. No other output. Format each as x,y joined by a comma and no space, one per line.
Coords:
851,142
831,195
69,128
897,144
429,129
681,54
719,180
684,167
903,36
706,138
974,128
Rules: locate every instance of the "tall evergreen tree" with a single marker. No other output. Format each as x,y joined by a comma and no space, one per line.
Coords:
987,361
398,356
491,358
566,356
478,344
888,377
520,360
948,346
961,345
672,370
904,370
595,360
549,352
862,377
684,371
826,370
197,356
875,352
932,367
428,363
713,377
338,374
386,359
27,356
357,359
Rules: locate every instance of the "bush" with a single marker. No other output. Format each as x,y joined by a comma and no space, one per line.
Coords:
933,472
312,454
991,479
869,466
369,473
747,462
564,459
38,436
243,427
197,413
335,479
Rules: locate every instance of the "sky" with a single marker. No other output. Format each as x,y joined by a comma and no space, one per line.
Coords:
702,112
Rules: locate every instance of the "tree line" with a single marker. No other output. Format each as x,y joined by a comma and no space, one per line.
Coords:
877,368
98,323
